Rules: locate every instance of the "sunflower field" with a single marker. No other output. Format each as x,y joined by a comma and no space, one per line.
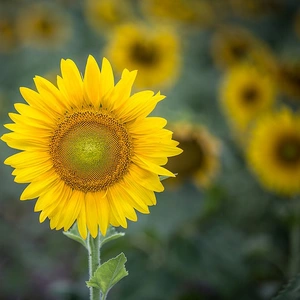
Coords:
170,128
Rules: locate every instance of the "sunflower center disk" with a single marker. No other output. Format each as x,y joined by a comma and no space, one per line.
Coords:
289,150
90,151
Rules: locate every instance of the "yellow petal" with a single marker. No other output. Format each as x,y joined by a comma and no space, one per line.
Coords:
91,81
148,165
27,159
91,214
103,211
116,210
139,193
81,223
72,82
72,209
146,178
106,81
37,188
120,202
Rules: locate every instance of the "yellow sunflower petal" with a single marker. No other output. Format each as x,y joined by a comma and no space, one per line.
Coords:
103,211
72,81
139,193
81,223
146,178
148,165
106,81
91,81
126,209
27,159
35,189
92,214
116,210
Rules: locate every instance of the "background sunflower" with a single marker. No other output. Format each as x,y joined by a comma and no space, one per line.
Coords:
234,239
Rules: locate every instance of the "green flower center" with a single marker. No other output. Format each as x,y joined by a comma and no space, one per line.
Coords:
90,150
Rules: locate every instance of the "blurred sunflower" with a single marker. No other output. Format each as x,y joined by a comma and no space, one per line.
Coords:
89,151
245,93
274,151
104,15
193,12
8,36
200,160
43,25
289,78
232,45
154,51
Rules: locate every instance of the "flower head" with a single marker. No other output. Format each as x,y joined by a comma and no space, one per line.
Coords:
89,150
153,51
232,46
246,92
274,151
43,26
200,160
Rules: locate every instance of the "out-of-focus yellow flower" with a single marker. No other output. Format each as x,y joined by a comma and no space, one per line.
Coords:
89,151
200,160
43,25
105,15
245,93
8,36
231,46
273,152
194,12
153,51
289,78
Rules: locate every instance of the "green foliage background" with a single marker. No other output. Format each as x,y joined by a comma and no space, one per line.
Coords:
230,241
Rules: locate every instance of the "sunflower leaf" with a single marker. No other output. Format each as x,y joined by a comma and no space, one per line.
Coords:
111,234
162,177
74,234
108,274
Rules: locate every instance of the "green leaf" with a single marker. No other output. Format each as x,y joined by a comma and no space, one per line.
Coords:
108,274
291,291
111,234
162,177
74,234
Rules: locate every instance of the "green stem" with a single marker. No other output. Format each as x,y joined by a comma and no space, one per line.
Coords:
94,262
294,266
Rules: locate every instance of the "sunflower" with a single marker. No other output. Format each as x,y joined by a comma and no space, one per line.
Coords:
153,51
89,151
233,45
104,15
193,12
274,151
245,93
200,160
43,26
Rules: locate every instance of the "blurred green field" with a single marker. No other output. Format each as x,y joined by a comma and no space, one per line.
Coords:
228,238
